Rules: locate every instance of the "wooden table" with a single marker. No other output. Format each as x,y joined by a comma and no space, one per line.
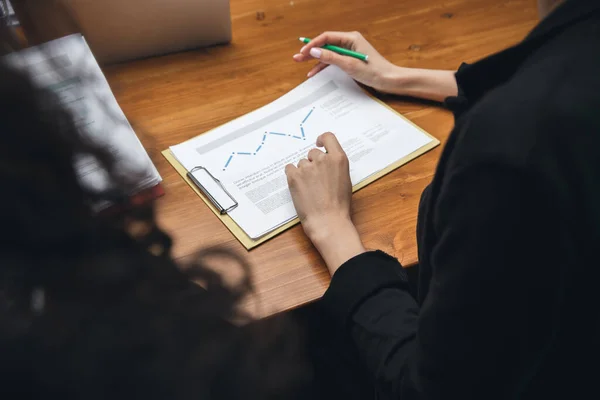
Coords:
174,98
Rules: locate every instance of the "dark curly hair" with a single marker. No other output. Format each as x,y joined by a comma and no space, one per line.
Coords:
94,306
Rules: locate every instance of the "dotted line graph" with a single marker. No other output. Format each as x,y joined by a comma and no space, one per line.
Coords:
268,134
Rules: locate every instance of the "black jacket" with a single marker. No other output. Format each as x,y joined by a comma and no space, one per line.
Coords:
508,302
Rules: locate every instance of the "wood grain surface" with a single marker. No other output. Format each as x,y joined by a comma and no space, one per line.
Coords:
173,98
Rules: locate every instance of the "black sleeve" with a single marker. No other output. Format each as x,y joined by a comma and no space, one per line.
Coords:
487,318
459,103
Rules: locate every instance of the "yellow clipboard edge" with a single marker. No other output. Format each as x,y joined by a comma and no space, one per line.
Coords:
250,243
240,235
404,160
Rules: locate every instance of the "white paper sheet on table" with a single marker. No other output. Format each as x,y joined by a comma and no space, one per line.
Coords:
67,67
248,155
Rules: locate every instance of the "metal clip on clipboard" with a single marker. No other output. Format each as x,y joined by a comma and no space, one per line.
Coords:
213,189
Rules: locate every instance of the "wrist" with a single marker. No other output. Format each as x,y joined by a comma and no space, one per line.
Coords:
421,83
386,78
396,80
337,240
322,228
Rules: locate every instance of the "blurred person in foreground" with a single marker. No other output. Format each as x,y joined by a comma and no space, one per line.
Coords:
506,303
94,306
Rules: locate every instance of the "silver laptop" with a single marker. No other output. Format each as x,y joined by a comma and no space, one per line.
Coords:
121,30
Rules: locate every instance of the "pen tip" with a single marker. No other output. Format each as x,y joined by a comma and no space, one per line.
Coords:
301,39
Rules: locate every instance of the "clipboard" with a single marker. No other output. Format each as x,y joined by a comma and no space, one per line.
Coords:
220,210
213,189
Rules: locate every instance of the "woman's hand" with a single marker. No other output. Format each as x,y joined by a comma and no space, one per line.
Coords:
322,193
372,73
378,73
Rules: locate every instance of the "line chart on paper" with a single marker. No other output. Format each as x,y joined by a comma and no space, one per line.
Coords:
300,134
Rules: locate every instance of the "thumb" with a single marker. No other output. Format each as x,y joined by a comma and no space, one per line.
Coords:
329,57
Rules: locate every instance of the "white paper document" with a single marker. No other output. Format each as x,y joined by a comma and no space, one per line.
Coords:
248,155
67,67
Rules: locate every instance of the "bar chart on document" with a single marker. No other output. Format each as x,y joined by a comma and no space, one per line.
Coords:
249,154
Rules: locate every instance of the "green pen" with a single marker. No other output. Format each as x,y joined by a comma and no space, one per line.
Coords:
340,50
